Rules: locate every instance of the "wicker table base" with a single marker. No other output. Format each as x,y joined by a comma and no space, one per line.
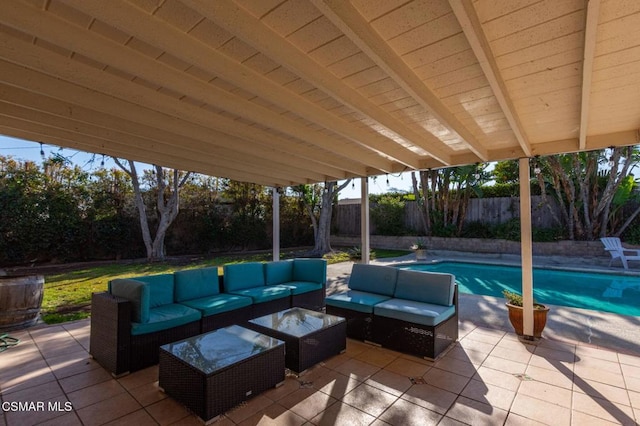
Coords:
213,372
310,336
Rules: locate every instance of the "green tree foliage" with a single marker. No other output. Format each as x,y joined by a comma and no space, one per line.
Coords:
387,213
505,172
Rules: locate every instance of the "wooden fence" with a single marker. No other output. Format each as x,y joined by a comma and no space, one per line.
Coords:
485,210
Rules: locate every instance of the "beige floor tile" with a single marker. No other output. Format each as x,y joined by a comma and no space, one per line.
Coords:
551,377
629,359
336,361
603,409
291,384
516,345
505,365
354,347
446,380
167,411
474,345
335,384
558,345
508,354
307,403
148,394
518,420
248,408
546,392
405,413
430,397
474,357
555,354
40,392
138,418
357,369
36,415
377,422
489,394
448,421
541,411
408,368
563,367
70,364
630,370
634,397
139,378
389,382
598,353
96,393
108,410
598,375
456,366
473,412
84,379
498,378
369,399
342,414
633,384
377,356
68,419
478,336
582,419
601,364
602,390
25,377
274,414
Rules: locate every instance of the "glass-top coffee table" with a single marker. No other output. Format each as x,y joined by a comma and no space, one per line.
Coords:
310,336
216,371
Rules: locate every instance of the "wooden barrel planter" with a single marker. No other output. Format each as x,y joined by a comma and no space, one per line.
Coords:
20,300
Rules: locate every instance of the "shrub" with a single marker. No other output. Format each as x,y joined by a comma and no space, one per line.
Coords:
388,215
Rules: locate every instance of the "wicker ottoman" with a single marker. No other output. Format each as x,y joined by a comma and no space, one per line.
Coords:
215,371
310,336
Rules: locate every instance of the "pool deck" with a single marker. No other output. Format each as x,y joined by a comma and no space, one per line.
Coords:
577,326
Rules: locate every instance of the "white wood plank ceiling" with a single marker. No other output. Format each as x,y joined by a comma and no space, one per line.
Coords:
281,92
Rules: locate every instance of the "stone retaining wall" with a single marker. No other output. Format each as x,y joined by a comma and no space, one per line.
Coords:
478,245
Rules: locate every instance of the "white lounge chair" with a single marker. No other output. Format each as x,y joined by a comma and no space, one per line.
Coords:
614,246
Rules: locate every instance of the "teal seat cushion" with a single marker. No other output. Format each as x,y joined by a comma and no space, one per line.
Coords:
138,293
278,272
373,279
213,305
165,317
300,287
160,289
427,287
354,300
416,312
264,293
243,276
311,270
196,283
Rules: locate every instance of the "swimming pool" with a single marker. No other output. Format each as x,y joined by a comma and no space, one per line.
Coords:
618,294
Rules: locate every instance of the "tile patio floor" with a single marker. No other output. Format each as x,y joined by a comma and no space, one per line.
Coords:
488,378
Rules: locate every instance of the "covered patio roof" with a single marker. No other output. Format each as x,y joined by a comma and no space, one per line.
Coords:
283,92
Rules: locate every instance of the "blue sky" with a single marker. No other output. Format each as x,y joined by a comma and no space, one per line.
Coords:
26,150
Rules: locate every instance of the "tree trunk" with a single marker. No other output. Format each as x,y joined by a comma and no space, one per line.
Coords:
323,236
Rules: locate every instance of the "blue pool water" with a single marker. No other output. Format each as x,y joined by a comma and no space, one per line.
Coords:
619,294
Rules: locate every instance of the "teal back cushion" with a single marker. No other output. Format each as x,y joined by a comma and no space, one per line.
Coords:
428,287
138,293
373,278
278,272
160,289
241,276
196,283
313,270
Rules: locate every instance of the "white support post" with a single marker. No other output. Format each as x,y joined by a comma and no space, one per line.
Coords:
364,222
276,224
526,247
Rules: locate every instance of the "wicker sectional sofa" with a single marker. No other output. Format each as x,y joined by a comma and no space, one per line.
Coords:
413,312
136,316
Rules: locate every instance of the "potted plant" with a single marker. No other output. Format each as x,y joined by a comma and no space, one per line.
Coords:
514,304
420,248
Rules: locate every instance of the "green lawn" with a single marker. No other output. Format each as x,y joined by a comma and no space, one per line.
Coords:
67,296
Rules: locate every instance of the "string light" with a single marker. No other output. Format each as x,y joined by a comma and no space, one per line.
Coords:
477,174
102,161
387,179
41,151
611,159
536,166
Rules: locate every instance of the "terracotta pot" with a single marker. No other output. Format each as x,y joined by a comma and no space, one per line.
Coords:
421,254
539,319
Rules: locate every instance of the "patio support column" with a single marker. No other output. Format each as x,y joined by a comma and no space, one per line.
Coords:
276,223
526,247
364,215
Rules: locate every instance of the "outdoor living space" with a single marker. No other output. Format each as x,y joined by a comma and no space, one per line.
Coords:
488,377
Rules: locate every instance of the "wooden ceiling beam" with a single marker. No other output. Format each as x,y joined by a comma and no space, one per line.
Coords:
345,16
253,32
227,146
179,118
157,32
45,134
30,19
590,37
472,27
110,136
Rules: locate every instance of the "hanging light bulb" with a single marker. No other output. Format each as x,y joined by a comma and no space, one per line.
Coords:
611,162
387,179
41,151
536,167
353,184
477,173
102,161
